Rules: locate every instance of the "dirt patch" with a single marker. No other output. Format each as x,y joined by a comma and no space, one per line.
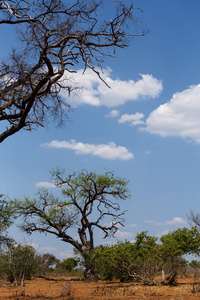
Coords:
80,290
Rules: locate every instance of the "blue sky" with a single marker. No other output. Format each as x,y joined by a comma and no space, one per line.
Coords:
145,128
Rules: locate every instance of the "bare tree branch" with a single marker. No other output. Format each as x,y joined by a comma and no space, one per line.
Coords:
56,38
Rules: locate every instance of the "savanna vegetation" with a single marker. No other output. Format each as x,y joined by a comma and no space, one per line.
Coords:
88,201
55,38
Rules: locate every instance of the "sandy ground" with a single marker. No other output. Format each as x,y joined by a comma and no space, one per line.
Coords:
61,289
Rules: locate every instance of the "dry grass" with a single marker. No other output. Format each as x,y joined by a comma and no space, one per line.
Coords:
80,290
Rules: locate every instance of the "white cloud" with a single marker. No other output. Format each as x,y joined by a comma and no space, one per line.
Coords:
179,116
131,225
108,151
159,234
42,249
55,251
108,243
123,234
113,114
95,92
134,119
34,245
174,221
46,184
109,224
153,222
47,249
65,254
149,152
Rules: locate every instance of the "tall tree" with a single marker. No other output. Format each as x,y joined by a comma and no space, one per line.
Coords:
88,201
55,36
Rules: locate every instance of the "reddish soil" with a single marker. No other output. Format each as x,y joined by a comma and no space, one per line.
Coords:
80,290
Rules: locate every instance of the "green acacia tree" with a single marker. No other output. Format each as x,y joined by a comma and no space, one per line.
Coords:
145,261
111,261
175,244
128,261
147,257
88,201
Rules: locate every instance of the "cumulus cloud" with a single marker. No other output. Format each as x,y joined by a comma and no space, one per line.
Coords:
159,234
174,221
106,243
153,222
95,92
134,119
65,254
131,225
34,245
113,114
45,184
108,151
42,249
179,116
123,234
48,249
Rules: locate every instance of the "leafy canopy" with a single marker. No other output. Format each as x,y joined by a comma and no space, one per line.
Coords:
88,201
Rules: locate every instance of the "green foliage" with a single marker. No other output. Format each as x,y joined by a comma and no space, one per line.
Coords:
46,263
67,265
18,262
181,241
84,184
6,218
111,261
88,201
128,261
146,257
145,245
194,264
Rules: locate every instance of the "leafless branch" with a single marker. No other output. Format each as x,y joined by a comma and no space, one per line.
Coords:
56,37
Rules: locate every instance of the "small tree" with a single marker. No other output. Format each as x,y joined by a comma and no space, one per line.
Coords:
87,202
175,244
45,263
112,262
67,265
126,261
6,218
145,261
195,267
18,262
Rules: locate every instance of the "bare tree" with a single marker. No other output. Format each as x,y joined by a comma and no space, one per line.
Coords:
55,37
87,203
194,219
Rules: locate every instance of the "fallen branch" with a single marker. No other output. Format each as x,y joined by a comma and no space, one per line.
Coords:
56,279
